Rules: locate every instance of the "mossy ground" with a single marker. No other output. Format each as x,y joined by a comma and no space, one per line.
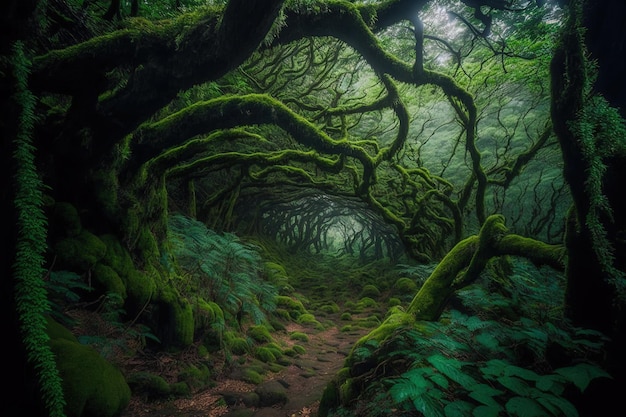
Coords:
326,318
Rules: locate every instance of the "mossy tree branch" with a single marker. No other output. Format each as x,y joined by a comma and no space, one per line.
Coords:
464,263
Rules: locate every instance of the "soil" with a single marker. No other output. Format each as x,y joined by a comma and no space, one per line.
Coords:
304,379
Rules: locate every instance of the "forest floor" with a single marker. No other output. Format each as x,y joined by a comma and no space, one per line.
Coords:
304,379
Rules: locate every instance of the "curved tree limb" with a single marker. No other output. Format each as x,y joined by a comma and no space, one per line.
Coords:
463,264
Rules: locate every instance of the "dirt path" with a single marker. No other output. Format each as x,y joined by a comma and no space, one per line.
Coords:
303,380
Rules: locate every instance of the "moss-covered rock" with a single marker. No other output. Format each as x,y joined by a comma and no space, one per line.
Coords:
271,393
260,333
176,321
92,386
79,253
116,256
405,286
303,337
140,289
264,354
236,344
106,280
292,305
195,377
149,385
64,220
370,291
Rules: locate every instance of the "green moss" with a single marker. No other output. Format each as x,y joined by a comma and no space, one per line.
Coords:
238,345
330,308
116,256
107,280
195,377
292,305
177,321
330,399
367,302
399,318
309,319
303,337
65,220
147,245
148,385
79,253
252,376
282,314
404,286
370,291
91,385
393,301
140,288
180,389
275,349
346,316
264,354
259,333
300,350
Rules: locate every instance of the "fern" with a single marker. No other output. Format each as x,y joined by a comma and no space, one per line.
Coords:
61,287
224,269
30,294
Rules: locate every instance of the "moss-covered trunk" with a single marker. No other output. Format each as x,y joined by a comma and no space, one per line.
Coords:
584,123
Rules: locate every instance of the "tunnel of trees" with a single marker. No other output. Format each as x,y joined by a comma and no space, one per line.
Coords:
140,137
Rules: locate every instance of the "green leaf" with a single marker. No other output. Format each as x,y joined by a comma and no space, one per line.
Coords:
515,385
558,405
551,383
409,388
428,406
458,408
488,340
494,367
484,394
439,380
487,411
523,373
582,374
451,368
524,407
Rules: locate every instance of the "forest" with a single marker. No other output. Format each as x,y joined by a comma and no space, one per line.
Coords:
323,208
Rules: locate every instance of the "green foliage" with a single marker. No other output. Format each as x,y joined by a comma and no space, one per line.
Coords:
481,362
601,131
30,293
63,288
222,268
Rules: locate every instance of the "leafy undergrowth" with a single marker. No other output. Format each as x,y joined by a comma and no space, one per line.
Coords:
502,349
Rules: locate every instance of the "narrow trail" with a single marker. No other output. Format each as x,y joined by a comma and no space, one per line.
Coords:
303,380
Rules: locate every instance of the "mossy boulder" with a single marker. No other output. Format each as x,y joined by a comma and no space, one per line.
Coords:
292,305
175,325
79,253
195,377
405,286
236,344
92,386
106,280
260,334
370,291
116,256
149,386
64,220
140,289
271,393
264,354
